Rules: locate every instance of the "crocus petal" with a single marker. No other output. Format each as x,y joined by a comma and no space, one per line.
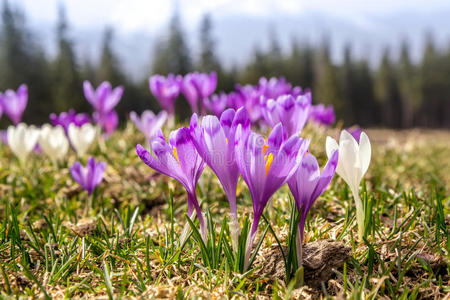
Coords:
89,93
101,94
164,162
365,152
90,176
327,175
304,181
114,98
191,164
82,137
275,139
226,120
78,173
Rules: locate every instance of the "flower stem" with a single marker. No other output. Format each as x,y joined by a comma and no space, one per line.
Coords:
234,231
89,200
249,244
192,198
299,248
359,213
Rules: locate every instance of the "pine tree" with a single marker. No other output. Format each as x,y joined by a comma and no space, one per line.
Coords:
326,87
407,86
256,68
23,61
386,92
208,61
172,55
348,86
433,83
274,56
160,58
67,87
299,65
109,68
364,106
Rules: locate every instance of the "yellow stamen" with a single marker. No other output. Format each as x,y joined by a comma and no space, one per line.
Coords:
265,148
269,162
175,153
226,140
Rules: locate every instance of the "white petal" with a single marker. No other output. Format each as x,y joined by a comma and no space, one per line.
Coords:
348,159
365,152
330,146
346,136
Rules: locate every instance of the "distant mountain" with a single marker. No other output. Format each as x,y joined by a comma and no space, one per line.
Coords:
237,36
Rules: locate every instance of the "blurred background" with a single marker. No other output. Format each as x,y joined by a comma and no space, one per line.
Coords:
379,63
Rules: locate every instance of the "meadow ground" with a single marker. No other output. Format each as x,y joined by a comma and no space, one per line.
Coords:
127,246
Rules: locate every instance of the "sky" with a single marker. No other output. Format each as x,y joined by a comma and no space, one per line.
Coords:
151,15
368,24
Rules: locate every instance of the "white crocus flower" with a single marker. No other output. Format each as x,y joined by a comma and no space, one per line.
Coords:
82,137
354,160
22,139
53,141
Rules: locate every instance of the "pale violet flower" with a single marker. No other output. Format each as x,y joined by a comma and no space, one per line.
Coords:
354,160
53,141
82,137
149,123
22,139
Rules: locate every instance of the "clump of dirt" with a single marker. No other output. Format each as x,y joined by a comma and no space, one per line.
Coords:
319,259
83,227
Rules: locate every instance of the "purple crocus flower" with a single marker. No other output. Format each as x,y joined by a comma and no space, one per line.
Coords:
148,123
108,121
215,143
198,86
274,87
216,104
251,98
235,100
90,176
1,110
265,167
322,114
104,98
14,103
179,160
71,117
291,112
166,90
306,185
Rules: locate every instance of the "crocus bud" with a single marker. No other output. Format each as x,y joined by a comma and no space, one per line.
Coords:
354,160
82,137
53,141
90,176
22,139
14,103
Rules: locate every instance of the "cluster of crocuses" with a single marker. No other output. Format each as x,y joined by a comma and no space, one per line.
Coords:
231,149
68,129
224,141
198,89
52,140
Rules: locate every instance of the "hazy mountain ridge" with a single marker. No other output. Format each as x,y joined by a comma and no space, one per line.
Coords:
237,36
